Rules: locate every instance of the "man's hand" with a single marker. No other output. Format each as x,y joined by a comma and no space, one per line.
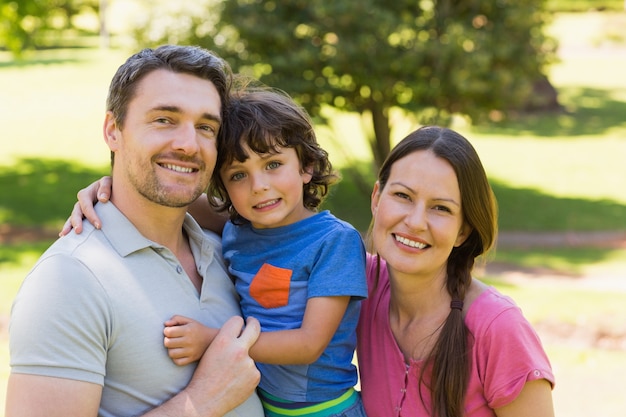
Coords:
226,375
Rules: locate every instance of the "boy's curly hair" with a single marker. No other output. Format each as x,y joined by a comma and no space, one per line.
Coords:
266,119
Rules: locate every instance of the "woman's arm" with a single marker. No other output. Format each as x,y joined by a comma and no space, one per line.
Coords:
534,400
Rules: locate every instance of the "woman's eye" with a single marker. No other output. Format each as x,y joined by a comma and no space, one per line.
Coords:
402,195
443,208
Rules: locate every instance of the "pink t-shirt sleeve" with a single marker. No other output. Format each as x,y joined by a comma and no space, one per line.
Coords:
508,351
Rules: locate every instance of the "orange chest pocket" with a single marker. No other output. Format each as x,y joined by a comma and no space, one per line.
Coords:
270,286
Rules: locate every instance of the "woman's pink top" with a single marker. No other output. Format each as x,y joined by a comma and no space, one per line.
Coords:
506,352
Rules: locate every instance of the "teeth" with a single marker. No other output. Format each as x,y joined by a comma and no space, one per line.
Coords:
178,168
410,243
267,203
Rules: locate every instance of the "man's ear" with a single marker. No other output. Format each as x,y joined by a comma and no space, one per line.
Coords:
111,132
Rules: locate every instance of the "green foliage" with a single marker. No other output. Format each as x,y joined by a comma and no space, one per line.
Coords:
431,58
24,23
441,56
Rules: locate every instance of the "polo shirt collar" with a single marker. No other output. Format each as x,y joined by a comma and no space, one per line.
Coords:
126,239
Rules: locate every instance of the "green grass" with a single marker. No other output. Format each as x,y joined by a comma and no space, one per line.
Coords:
52,104
544,303
574,261
41,191
584,5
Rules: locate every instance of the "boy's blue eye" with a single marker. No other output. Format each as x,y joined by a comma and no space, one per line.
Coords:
273,165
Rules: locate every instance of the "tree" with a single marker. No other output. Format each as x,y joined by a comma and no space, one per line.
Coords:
21,21
431,58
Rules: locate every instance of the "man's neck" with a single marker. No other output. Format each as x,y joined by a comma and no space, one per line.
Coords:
161,224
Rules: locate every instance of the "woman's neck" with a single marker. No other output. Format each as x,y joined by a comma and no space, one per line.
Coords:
417,295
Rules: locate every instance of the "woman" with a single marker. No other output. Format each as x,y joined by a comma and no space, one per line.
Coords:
432,340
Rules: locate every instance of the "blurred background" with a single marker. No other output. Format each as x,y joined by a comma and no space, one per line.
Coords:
537,86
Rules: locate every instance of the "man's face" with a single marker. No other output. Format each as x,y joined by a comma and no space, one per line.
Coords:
166,150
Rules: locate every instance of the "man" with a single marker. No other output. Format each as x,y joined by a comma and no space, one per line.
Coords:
86,332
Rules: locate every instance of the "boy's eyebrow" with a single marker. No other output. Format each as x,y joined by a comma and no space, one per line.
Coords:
235,163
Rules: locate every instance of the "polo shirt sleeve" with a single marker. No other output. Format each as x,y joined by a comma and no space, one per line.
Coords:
60,322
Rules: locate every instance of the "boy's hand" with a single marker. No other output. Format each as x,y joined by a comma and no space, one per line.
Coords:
99,191
186,339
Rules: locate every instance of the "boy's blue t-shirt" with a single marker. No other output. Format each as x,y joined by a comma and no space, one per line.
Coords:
276,271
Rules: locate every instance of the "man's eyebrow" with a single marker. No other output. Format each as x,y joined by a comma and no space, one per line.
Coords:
171,109
176,109
214,117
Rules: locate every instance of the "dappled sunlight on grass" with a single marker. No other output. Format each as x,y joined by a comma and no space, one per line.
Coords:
558,303
568,261
42,191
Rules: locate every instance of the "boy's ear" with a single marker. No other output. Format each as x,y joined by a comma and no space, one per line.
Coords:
307,175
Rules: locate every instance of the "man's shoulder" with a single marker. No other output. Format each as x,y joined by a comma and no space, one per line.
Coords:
212,237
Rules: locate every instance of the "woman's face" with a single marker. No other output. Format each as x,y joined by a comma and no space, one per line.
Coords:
418,217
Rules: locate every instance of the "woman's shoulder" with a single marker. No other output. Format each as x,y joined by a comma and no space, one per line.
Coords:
485,304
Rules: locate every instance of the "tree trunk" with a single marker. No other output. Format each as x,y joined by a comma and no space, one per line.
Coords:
380,143
105,39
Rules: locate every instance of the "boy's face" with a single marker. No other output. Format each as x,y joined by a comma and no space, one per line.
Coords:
166,151
267,189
